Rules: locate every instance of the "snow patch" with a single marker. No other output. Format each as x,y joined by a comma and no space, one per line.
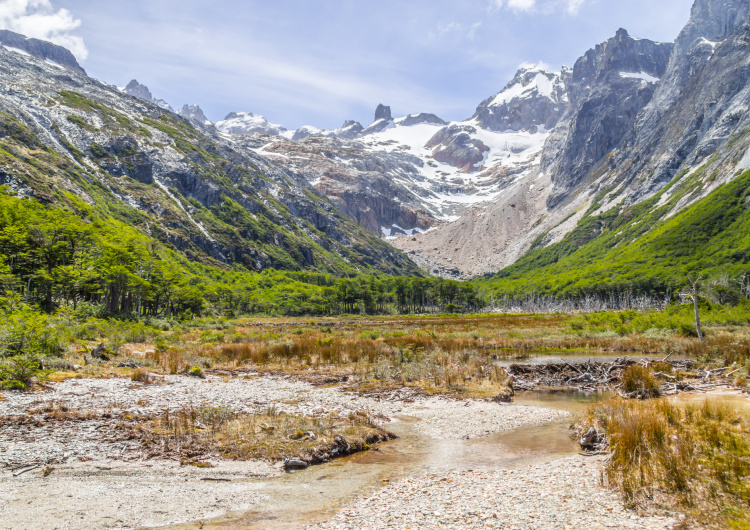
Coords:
643,76
744,164
17,50
540,84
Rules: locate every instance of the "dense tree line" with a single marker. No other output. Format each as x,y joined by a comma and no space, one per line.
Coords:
50,257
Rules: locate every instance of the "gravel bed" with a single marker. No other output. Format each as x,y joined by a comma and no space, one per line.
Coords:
472,419
120,495
564,494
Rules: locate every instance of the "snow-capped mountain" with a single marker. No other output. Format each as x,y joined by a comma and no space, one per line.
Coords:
535,99
195,114
470,197
249,123
405,175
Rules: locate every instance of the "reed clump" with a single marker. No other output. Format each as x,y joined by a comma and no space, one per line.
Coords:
641,381
217,430
694,458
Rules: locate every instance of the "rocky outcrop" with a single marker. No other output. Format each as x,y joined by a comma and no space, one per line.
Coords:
137,90
382,112
351,129
535,98
40,49
455,146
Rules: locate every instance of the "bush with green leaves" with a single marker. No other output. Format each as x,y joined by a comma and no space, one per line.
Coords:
20,371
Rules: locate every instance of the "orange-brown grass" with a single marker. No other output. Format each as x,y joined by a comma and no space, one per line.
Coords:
694,458
640,379
359,345
210,430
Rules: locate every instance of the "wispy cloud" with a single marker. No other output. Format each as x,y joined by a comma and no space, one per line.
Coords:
456,29
543,6
39,19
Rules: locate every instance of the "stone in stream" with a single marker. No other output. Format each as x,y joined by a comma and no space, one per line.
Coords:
506,396
291,465
592,440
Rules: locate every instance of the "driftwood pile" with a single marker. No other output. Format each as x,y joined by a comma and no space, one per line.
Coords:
593,376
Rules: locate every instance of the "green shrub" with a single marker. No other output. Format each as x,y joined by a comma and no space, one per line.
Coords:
195,371
19,372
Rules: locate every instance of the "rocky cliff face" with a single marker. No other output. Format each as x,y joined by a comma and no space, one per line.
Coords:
700,103
45,51
213,198
607,88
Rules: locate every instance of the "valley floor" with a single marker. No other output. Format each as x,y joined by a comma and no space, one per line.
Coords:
462,471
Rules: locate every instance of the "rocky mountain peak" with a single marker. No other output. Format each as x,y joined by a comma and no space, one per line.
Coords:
248,123
40,49
136,89
713,20
534,98
622,54
194,113
383,112
610,84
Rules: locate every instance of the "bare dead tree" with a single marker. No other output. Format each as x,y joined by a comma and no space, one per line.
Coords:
694,293
744,282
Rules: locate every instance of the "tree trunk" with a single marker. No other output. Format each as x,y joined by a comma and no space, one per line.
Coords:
697,317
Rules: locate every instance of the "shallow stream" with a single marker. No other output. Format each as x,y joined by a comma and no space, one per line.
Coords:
315,494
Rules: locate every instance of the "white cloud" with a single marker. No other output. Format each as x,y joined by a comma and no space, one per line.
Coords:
38,19
521,5
461,30
543,6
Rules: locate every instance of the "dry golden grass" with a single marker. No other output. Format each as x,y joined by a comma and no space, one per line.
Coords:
215,430
433,354
641,380
694,458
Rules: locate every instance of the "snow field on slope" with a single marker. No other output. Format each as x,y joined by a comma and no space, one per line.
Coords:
509,148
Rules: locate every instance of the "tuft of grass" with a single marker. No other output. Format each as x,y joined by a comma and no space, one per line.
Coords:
198,432
639,379
694,458
140,375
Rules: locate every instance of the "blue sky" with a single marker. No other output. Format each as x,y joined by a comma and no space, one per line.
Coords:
321,62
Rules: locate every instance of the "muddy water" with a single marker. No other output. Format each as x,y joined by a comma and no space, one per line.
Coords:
316,493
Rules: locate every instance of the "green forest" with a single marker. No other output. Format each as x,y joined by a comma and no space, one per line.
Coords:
53,258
